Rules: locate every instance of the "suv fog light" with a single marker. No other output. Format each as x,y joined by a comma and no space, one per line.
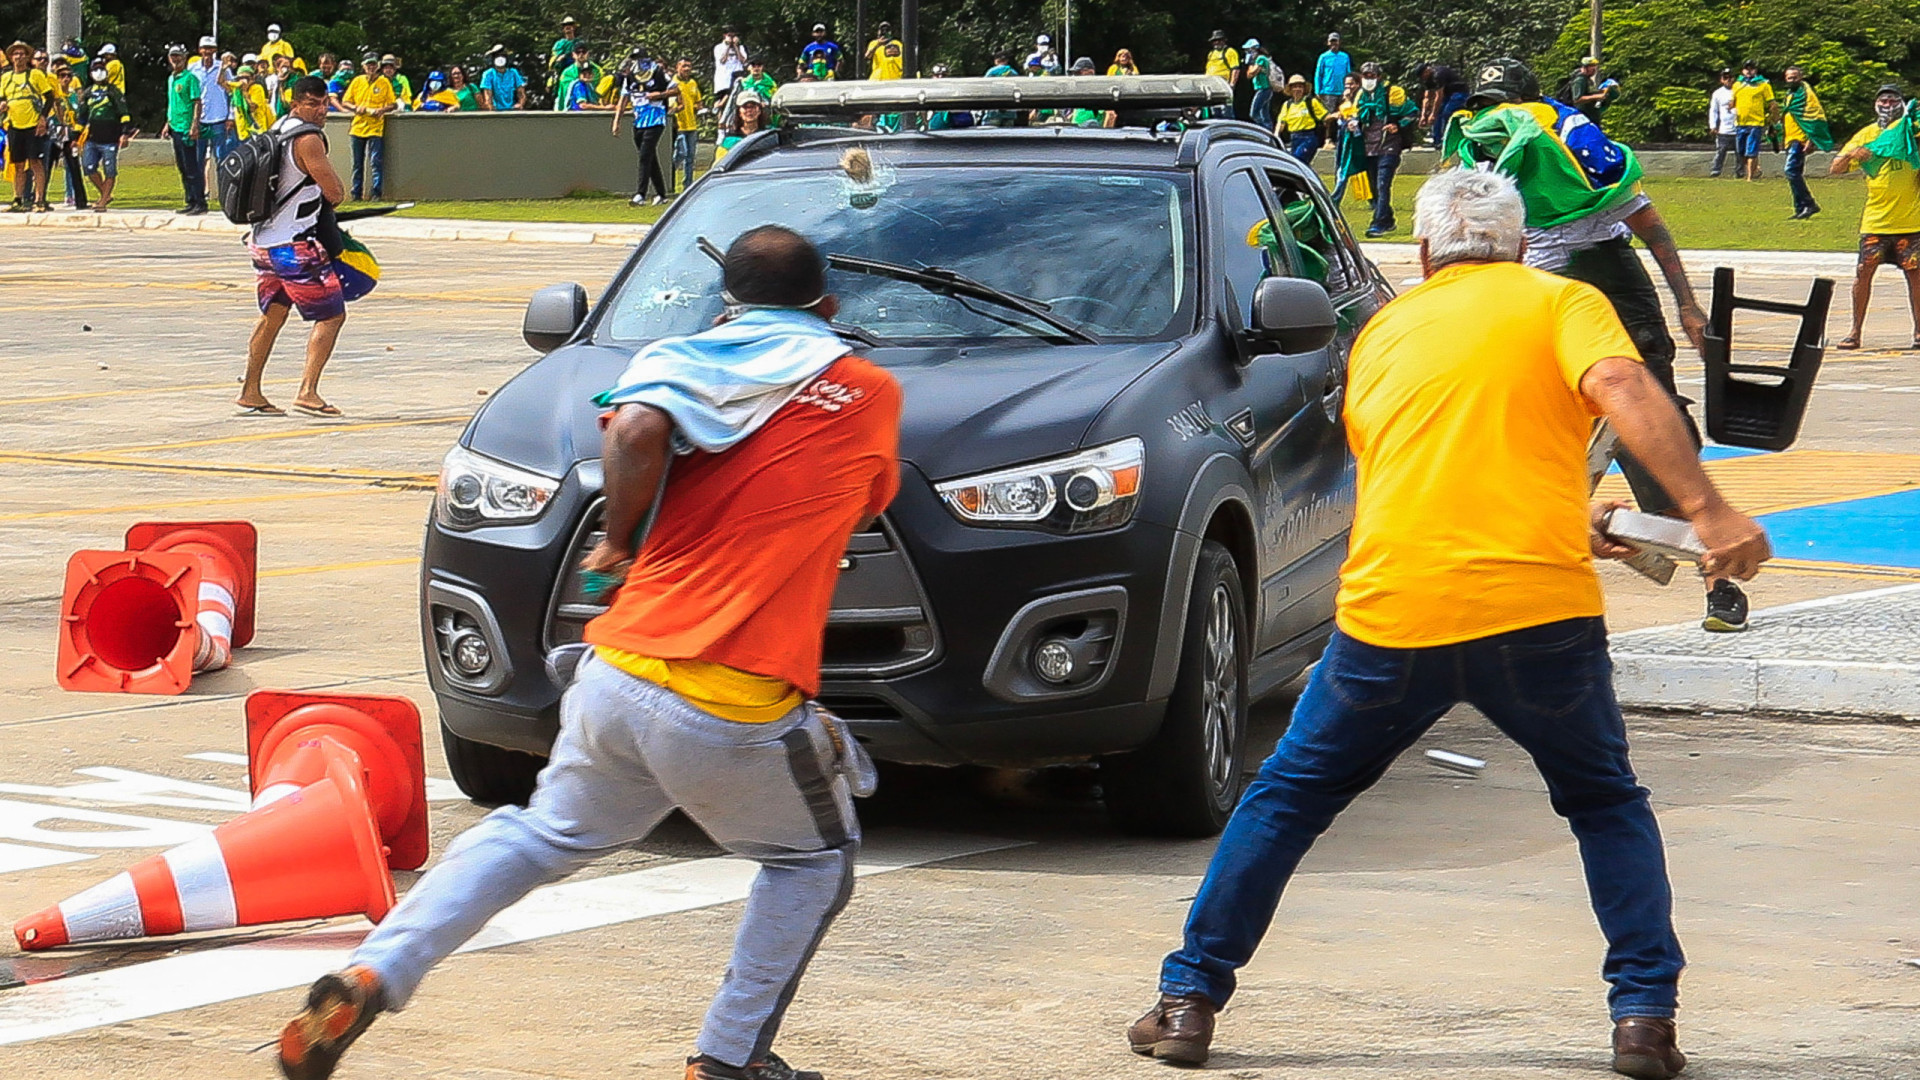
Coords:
1053,661
471,654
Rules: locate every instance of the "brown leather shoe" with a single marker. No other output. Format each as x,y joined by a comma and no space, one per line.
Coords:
1176,1029
1647,1048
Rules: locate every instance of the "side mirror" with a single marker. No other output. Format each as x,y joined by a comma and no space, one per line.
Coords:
553,316
1294,314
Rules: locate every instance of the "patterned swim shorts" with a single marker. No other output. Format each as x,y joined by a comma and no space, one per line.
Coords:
302,275
1900,249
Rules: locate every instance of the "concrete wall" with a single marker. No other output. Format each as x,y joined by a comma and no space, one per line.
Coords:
475,155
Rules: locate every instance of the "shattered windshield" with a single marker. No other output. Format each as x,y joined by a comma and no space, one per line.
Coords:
1108,251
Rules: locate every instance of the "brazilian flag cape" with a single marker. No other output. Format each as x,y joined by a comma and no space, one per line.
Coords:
1896,143
357,269
1564,174
1803,105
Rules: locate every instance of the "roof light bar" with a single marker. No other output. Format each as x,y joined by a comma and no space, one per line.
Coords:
1123,92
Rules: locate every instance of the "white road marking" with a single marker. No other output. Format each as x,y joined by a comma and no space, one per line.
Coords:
16,857
81,1002
439,789
125,787
23,821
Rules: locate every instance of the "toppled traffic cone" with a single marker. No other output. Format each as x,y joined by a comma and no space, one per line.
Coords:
291,738
313,854
178,600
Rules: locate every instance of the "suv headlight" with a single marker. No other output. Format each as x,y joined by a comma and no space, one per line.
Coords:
477,490
1094,489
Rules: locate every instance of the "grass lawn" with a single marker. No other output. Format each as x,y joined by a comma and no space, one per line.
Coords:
1709,214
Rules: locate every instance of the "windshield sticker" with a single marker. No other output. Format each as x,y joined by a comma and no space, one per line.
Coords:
1120,181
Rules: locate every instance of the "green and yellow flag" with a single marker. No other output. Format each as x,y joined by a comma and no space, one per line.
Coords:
1896,143
1554,184
1806,118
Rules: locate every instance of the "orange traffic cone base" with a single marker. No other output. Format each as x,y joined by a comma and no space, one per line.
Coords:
383,731
236,541
127,622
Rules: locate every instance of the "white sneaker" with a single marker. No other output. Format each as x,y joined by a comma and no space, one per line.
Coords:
637,200
657,200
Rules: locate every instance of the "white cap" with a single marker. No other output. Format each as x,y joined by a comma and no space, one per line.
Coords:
819,28
273,28
209,43
1043,40
249,58
108,49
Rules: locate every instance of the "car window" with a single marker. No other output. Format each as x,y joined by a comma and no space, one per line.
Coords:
1107,250
1327,258
1251,249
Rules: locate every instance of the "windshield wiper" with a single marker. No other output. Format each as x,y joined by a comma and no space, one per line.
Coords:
846,330
940,280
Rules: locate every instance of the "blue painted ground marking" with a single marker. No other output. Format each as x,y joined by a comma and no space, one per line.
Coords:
1880,531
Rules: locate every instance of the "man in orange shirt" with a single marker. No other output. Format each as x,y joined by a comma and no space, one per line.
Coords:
1469,578
694,695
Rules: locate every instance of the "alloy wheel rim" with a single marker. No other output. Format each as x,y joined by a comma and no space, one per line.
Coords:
1220,692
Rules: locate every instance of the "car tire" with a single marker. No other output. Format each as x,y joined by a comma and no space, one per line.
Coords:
490,774
1186,781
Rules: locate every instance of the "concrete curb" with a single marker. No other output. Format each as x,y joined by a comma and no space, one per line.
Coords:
1767,684
515,232
1801,264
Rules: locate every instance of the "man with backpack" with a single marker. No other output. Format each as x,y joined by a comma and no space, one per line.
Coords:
282,184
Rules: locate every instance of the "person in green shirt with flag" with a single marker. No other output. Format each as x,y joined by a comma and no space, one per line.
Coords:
1890,225
183,130
1584,205
1805,121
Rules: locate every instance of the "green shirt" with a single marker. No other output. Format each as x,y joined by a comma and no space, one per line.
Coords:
1260,72
761,84
183,101
469,98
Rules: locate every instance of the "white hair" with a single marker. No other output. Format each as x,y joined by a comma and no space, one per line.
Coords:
1470,215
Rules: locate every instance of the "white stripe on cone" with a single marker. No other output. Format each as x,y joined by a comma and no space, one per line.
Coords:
104,912
273,793
200,881
216,628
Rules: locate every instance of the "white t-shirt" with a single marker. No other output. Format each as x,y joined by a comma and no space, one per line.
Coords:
1720,116
728,62
297,198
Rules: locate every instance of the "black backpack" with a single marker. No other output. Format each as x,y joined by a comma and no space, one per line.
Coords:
250,174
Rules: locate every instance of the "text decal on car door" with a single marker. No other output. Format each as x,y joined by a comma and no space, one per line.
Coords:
1192,420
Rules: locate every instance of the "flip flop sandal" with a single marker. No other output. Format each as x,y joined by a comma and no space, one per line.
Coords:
260,410
325,412
1848,342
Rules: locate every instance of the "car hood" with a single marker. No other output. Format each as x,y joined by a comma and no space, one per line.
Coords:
966,409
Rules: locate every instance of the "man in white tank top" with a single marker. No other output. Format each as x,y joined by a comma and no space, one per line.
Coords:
290,261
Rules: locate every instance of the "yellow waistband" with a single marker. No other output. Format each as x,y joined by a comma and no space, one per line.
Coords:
726,692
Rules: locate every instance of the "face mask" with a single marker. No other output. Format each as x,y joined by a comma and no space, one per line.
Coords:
1887,111
1369,84
435,84
273,35
499,61
99,76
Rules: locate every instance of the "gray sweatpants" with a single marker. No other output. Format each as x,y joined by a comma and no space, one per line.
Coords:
628,753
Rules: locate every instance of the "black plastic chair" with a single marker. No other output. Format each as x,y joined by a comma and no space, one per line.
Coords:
1761,405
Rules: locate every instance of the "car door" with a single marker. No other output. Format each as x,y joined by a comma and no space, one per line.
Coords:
1276,410
1320,492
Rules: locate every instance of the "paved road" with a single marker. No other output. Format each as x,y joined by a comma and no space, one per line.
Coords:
1441,925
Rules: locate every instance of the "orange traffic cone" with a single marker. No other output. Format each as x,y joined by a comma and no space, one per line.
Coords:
292,737
313,854
178,600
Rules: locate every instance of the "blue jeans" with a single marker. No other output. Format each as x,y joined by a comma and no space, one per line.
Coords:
1548,688
1797,178
1381,169
1260,109
1305,145
192,165
685,143
1748,137
369,150
1448,107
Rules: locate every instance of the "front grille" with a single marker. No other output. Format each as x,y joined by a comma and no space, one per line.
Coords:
880,623
860,707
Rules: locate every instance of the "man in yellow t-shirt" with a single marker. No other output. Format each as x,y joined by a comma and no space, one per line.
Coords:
369,97
277,46
884,62
31,98
1469,578
686,120
116,71
1890,224
1754,108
